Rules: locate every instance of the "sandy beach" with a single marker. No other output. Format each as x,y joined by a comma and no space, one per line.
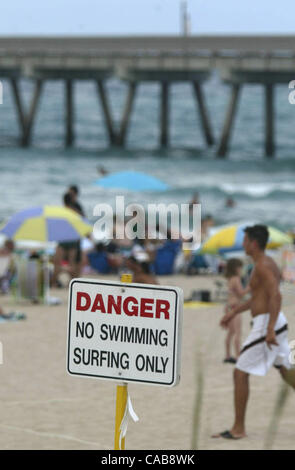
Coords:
42,407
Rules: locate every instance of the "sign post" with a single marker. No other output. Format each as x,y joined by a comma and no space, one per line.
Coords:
124,332
121,402
121,398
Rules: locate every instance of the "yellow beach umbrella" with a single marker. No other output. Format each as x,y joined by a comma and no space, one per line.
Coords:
46,224
231,239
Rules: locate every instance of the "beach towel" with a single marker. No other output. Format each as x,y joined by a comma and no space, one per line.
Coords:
13,316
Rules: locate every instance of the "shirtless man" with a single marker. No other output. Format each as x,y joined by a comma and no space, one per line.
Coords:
267,343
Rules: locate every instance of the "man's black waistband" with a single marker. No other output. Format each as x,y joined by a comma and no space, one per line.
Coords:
263,338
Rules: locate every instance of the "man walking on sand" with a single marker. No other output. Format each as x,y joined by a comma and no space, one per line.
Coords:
267,343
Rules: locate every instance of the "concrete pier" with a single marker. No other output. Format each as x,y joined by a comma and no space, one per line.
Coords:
166,76
268,80
239,60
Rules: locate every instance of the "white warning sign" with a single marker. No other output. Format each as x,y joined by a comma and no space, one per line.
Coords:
125,332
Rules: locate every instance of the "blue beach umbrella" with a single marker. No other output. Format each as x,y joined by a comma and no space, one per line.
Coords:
133,181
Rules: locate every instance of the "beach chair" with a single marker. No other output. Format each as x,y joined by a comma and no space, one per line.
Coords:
32,279
99,262
165,258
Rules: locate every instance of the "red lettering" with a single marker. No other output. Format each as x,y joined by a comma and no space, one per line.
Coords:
130,305
112,303
86,297
133,312
98,304
162,306
146,307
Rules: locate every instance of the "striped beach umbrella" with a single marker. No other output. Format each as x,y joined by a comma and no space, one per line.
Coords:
231,239
46,224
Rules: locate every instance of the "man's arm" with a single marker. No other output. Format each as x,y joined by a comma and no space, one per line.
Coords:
241,307
234,311
239,289
271,286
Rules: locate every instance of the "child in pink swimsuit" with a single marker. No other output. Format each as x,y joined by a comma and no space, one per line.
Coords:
236,292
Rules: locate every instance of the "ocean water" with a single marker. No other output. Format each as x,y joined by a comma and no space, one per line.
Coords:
263,189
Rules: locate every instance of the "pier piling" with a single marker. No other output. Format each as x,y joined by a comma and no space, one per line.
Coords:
229,120
121,138
106,111
206,126
32,113
269,121
69,112
164,128
19,106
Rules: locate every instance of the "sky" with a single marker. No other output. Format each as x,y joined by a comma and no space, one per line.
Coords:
107,17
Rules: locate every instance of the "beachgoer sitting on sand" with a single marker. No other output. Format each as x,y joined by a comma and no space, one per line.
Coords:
140,268
12,315
120,245
235,294
8,248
